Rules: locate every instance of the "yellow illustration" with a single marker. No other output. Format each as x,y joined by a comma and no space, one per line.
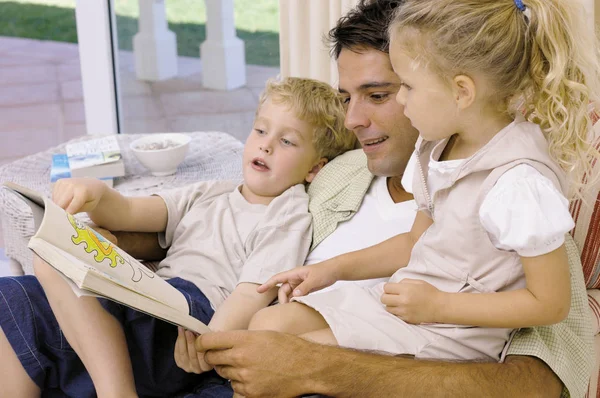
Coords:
103,249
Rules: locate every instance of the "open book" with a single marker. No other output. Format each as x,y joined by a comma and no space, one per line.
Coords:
93,264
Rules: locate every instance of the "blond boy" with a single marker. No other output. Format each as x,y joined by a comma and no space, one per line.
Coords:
224,239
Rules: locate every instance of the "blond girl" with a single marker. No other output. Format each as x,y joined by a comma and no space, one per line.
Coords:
499,91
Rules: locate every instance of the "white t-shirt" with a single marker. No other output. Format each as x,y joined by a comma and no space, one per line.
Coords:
523,212
378,219
217,239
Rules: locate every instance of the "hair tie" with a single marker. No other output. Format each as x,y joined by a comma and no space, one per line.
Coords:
520,5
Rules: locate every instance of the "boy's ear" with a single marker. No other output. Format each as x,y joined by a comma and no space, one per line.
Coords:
313,172
464,91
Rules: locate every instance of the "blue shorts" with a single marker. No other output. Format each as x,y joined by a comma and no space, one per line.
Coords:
33,332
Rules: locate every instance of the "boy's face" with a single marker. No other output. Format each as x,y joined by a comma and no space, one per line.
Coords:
278,154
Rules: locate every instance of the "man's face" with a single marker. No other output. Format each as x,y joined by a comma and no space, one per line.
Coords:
369,86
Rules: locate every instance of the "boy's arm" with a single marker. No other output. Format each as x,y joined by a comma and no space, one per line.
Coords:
108,208
120,213
546,299
237,310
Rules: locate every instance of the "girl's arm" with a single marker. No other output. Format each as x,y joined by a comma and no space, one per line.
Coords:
377,261
237,310
546,299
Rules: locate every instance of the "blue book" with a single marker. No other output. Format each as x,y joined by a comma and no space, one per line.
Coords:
60,169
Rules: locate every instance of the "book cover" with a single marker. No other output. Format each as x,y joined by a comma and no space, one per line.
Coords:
60,169
94,152
96,265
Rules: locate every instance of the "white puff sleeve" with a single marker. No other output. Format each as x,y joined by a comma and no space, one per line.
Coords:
525,213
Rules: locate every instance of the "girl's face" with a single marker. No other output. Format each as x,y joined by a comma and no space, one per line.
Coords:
428,101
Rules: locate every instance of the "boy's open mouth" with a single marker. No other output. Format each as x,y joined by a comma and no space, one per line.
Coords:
259,164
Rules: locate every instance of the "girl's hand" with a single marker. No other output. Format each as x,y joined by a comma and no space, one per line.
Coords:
78,194
186,356
301,280
413,301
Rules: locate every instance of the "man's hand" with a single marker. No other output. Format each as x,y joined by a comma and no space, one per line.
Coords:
261,363
78,194
412,300
186,356
301,281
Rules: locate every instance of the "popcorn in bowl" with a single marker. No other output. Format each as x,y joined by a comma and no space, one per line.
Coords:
161,153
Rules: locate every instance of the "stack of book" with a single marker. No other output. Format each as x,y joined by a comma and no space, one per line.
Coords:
99,158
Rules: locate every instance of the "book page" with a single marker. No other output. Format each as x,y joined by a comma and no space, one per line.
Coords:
64,231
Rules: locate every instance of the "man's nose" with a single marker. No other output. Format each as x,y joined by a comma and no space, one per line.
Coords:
356,117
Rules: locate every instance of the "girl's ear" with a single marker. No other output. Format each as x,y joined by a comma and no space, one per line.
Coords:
313,172
464,91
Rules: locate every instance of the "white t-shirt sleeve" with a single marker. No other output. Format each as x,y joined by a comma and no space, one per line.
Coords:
525,213
283,242
180,200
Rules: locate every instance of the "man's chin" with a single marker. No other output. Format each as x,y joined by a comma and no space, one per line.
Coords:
381,168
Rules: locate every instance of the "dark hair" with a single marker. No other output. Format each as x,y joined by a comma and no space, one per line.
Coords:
366,25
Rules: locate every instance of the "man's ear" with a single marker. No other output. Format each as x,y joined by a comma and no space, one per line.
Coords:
464,91
313,172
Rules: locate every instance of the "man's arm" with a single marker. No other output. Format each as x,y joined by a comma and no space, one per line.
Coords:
261,363
141,245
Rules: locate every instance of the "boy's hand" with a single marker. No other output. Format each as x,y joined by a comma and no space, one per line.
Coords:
301,280
413,301
78,194
186,356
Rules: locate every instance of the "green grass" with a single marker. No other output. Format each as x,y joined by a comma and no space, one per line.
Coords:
257,23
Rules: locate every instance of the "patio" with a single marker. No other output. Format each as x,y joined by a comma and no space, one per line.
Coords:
41,102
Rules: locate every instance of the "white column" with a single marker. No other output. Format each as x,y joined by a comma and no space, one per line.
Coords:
303,25
96,34
222,54
154,46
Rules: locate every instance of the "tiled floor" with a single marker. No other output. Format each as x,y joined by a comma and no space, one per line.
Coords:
41,101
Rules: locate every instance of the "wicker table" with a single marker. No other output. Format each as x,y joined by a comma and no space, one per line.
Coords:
212,155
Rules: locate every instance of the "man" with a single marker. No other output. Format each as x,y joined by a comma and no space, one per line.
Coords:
540,360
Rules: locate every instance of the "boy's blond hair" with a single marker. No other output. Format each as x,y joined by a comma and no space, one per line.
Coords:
319,105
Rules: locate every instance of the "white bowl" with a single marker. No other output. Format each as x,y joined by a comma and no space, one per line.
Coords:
161,153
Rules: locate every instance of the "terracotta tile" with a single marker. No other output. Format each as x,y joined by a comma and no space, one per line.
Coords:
27,74
237,124
29,94
131,86
208,102
145,107
71,90
256,92
53,51
143,126
256,76
69,71
47,116
27,141
20,60
178,84
71,131
11,43
74,112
